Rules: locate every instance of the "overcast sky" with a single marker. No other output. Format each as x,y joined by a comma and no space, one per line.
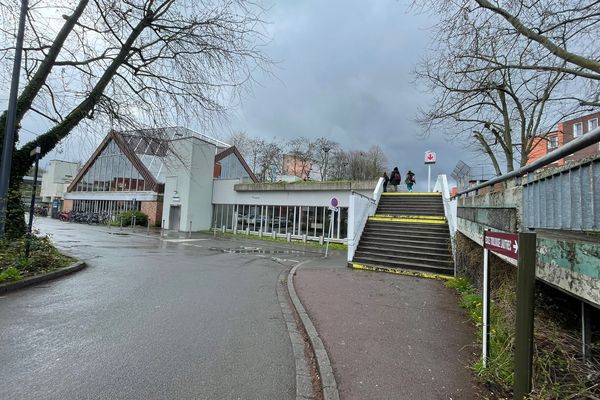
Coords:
343,70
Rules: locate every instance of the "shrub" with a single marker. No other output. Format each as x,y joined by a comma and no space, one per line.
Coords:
43,257
141,219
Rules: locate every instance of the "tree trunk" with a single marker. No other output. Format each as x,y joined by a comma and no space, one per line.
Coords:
31,90
22,159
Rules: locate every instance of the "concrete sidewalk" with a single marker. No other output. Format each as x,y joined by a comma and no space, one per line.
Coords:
389,336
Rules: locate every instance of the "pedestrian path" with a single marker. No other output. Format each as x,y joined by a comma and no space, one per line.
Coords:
389,336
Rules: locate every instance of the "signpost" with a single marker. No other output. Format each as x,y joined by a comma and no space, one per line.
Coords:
525,308
430,158
506,244
35,152
333,207
520,247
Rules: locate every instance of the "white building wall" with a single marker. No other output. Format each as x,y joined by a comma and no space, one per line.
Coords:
188,183
224,193
57,178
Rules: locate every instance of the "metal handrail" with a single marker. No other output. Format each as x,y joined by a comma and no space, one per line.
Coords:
362,195
584,141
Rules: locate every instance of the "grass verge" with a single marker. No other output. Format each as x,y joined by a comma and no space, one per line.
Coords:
559,373
43,258
332,246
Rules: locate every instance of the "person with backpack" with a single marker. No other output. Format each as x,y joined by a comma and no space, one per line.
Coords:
395,179
410,180
386,179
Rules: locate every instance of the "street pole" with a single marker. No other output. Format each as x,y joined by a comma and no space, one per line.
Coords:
37,151
525,312
326,150
11,117
429,177
486,306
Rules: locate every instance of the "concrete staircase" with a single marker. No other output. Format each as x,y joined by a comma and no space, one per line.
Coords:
408,232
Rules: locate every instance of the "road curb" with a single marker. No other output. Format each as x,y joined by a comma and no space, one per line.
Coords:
304,387
328,382
12,286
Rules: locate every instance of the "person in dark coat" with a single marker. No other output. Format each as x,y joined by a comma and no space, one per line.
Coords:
395,179
410,180
386,179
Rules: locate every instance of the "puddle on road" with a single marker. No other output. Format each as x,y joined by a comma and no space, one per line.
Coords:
118,233
256,250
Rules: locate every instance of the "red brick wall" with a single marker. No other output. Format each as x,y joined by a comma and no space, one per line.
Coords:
153,209
67,205
568,136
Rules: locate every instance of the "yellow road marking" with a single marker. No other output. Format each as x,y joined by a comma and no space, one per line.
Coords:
411,194
409,220
398,271
410,216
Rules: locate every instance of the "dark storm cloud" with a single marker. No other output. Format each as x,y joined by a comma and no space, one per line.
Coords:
344,71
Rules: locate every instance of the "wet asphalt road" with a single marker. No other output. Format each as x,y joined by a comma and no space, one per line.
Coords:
148,319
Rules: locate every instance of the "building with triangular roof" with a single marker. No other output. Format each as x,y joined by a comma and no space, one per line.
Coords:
130,170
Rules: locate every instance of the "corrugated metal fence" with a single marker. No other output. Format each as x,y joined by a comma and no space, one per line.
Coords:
568,200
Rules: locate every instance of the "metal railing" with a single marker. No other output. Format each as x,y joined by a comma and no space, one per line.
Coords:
582,142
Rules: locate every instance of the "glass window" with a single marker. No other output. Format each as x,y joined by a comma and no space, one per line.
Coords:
577,129
552,142
592,124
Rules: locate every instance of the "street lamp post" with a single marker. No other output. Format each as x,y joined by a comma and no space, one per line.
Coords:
326,149
11,117
37,151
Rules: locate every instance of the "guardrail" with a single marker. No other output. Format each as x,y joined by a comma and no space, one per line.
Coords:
582,142
361,207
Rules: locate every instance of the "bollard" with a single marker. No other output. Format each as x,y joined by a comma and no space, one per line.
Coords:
247,230
223,229
274,235
148,225
162,228
304,238
121,224
190,231
288,237
321,240
260,233
133,223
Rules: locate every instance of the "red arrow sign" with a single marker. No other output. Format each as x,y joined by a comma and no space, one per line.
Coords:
430,156
506,244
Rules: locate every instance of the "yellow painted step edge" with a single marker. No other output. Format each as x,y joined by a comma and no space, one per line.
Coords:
410,220
440,217
411,194
399,271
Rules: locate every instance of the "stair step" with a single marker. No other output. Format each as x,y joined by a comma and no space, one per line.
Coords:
407,239
414,223
416,228
422,258
374,261
439,248
420,236
400,254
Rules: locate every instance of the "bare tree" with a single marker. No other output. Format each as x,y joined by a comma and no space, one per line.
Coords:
567,30
377,162
323,147
339,163
242,142
480,96
269,161
302,152
133,63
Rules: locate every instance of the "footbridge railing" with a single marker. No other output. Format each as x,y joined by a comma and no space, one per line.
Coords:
360,208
